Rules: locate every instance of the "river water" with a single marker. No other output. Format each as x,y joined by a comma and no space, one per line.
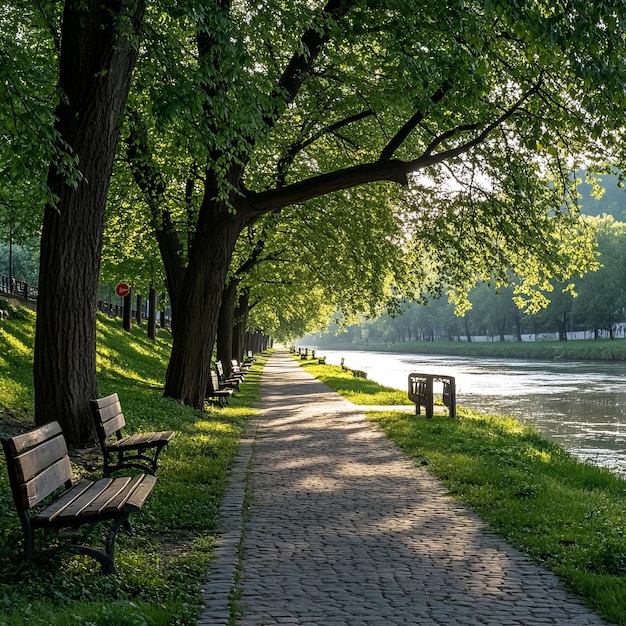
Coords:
580,404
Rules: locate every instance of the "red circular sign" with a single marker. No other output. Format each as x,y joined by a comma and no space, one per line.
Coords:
122,289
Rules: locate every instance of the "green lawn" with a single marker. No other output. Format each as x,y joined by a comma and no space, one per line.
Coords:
162,566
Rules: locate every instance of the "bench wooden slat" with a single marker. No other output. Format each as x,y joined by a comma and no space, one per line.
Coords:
113,498
141,491
26,440
45,454
53,510
79,505
143,440
137,439
120,494
113,424
110,414
47,481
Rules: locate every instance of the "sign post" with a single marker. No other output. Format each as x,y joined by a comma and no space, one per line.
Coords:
123,291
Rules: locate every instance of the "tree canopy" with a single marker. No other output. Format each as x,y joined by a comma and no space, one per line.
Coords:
436,139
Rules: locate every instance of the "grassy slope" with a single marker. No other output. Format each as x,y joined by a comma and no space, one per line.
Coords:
163,564
567,515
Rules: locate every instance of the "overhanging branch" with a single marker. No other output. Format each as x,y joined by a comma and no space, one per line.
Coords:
392,170
401,136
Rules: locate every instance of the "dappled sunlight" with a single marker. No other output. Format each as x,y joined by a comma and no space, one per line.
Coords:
15,344
540,455
215,427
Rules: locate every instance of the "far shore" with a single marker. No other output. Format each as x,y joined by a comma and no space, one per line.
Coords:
573,350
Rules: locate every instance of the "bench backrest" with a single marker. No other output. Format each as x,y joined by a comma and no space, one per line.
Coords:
214,382
220,369
108,416
38,464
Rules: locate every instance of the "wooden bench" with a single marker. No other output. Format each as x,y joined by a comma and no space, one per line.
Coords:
140,451
231,382
215,390
421,391
239,368
38,465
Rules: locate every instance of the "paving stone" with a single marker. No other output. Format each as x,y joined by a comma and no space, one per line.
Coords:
342,528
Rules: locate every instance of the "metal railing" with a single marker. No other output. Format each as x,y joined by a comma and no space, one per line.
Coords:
17,289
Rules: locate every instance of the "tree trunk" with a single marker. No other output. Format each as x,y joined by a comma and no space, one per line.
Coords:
128,311
468,333
95,69
226,326
241,325
138,316
194,327
152,314
561,324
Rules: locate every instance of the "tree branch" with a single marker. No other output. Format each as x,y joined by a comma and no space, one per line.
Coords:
287,159
300,64
392,170
410,125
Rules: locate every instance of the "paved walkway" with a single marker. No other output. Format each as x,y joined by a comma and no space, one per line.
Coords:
341,528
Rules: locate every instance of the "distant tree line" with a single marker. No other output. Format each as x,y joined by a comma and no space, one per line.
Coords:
594,304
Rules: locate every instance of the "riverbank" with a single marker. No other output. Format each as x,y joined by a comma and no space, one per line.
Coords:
579,350
566,514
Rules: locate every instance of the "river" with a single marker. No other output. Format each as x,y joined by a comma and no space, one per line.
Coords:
580,404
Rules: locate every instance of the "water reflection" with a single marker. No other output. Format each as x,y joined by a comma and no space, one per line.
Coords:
582,405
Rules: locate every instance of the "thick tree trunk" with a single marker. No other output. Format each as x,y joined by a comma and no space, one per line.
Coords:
194,327
96,64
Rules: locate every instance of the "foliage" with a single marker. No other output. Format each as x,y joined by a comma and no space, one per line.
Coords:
28,45
161,566
593,302
324,259
446,134
25,260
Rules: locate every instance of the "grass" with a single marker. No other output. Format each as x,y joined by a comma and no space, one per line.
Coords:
357,390
569,516
161,566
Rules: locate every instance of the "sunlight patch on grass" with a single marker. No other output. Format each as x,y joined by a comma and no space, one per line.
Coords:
14,343
358,390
